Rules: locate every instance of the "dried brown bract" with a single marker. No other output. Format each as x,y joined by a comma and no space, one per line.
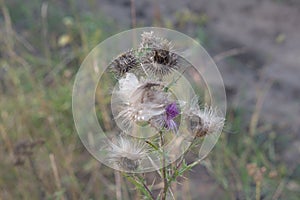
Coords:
124,63
157,57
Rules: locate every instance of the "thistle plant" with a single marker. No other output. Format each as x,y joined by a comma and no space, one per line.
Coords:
145,99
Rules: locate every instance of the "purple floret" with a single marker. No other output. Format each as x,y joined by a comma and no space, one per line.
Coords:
171,112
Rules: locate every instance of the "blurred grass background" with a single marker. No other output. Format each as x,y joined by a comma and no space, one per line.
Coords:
42,44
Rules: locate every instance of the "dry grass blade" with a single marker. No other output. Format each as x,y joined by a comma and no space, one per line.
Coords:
56,174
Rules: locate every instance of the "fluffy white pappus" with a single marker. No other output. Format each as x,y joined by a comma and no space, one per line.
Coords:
127,153
157,57
134,113
127,85
132,90
141,101
202,122
149,40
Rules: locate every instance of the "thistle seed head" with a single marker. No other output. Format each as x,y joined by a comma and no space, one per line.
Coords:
149,40
124,63
141,100
160,63
202,122
127,153
157,57
128,164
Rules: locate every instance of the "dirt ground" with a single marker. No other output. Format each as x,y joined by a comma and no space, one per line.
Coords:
269,69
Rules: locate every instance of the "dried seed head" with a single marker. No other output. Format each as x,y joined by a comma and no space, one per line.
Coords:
128,164
142,110
127,153
196,126
160,62
161,56
140,100
203,122
124,63
149,40
157,57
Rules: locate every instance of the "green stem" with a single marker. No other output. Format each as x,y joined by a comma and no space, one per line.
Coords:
164,172
178,165
147,188
140,183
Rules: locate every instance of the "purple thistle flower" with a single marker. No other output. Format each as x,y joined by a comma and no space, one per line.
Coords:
171,112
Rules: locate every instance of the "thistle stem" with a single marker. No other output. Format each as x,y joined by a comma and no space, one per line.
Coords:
164,172
146,187
178,165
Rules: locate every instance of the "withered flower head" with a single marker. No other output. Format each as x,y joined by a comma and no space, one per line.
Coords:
124,63
157,57
202,122
127,153
141,100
